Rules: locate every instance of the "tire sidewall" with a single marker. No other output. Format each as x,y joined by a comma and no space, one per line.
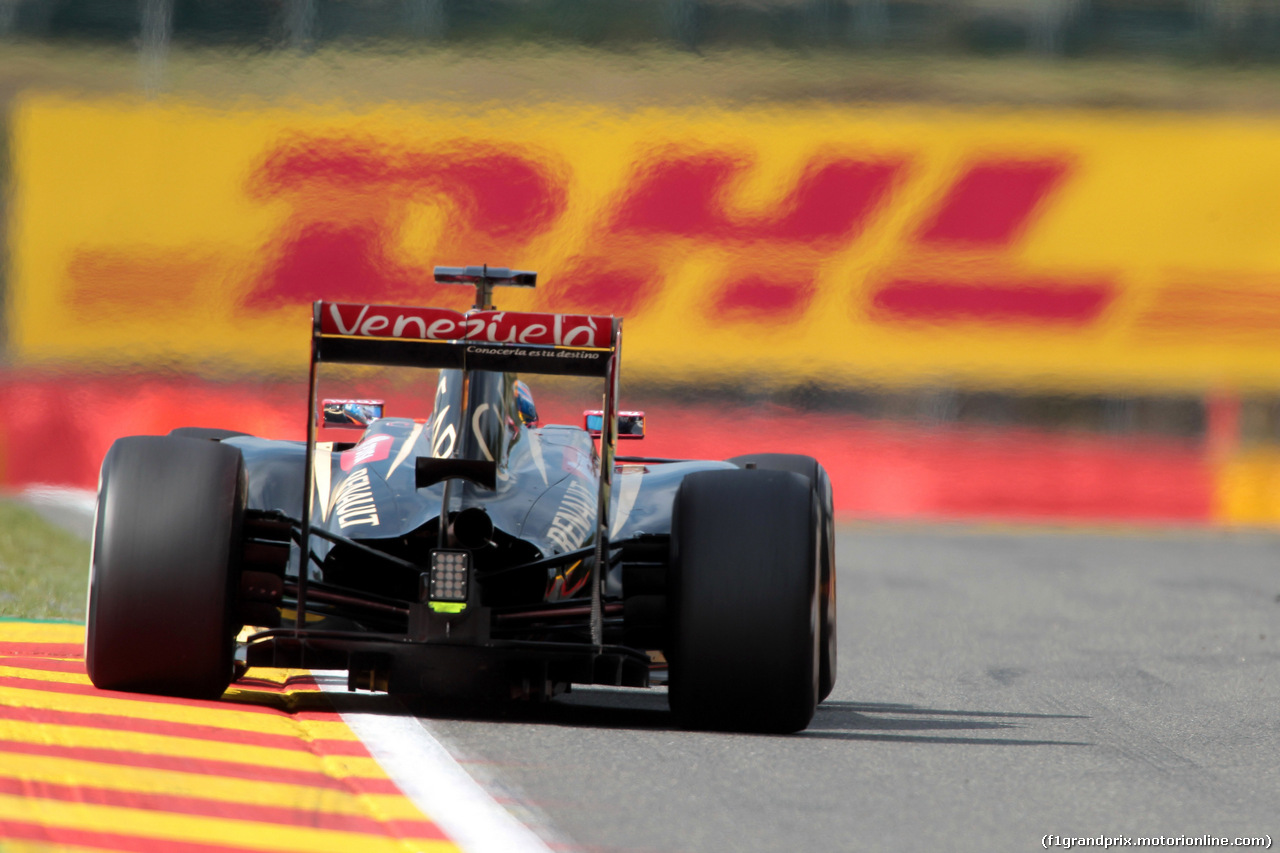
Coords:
164,566
809,467
745,626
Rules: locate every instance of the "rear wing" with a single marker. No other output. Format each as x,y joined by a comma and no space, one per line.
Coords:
479,339
508,341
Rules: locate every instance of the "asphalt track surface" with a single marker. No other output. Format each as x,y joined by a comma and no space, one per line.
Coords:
996,686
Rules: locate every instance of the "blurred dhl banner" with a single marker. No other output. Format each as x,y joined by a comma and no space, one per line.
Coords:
848,245
1098,252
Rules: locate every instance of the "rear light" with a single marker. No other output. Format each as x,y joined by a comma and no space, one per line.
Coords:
448,581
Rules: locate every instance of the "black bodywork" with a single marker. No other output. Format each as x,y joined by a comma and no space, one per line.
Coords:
531,538
558,592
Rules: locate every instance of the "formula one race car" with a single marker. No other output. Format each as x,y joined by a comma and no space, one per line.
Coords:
470,551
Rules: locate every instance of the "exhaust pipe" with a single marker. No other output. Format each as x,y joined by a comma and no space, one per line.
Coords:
471,528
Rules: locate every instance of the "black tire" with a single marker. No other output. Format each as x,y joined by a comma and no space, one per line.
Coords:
166,551
207,433
743,634
810,468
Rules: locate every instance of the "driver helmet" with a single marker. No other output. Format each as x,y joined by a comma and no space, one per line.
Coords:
358,414
524,405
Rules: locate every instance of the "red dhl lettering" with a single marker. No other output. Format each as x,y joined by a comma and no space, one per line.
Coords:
498,200
492,189
991,203
1040,302
682,195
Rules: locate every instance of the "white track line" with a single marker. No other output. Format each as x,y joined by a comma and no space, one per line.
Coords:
78,500
70,509
428,774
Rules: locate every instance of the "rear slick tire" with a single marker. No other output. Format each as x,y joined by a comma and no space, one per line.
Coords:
743,636
812,469
166,551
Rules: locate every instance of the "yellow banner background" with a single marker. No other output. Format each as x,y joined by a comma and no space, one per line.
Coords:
1099,251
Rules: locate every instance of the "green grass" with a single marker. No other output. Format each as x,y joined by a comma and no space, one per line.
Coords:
43,569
